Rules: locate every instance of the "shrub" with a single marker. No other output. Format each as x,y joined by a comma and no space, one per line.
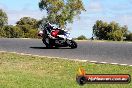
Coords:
82,37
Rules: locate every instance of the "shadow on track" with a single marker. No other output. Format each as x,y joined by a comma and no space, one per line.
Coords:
49,48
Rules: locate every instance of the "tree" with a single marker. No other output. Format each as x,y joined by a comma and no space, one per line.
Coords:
2,33
61,12
111,31
29,26
114,29
129,37
12,32
117,35
31,34
3,18
16,32
27,21
82,37
3,22
100,29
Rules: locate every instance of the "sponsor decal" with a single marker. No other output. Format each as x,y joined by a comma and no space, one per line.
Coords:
83,78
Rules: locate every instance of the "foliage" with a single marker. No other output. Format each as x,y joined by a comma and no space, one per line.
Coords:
61,12
31,34
112,31
2,33
3,18
28,26
10,31
28,21
82,37
129,37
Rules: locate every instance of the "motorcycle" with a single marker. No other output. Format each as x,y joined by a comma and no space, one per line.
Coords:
56,37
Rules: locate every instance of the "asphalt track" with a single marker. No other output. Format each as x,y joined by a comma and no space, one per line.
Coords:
111,52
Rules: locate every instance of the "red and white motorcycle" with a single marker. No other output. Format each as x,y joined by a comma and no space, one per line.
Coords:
56,37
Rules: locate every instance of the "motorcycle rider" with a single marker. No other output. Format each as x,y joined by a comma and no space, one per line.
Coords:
47,29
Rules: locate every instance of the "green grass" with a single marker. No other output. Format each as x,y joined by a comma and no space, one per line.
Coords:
17,71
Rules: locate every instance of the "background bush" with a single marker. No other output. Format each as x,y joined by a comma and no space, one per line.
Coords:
109,31
81,37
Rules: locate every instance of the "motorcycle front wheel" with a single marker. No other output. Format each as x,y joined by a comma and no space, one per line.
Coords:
72,44
47,43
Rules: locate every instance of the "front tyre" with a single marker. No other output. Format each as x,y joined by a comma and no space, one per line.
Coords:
47,43
72,44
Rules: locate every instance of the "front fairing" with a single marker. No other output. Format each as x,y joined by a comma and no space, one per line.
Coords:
67,35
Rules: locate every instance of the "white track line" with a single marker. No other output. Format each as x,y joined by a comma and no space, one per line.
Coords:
93,61
25,38
66,58
124,64
2,51
103,62
80,60
114,63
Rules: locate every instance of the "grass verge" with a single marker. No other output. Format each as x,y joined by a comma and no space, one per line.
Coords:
17,71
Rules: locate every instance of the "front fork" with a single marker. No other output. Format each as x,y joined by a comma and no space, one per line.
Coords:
69,42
